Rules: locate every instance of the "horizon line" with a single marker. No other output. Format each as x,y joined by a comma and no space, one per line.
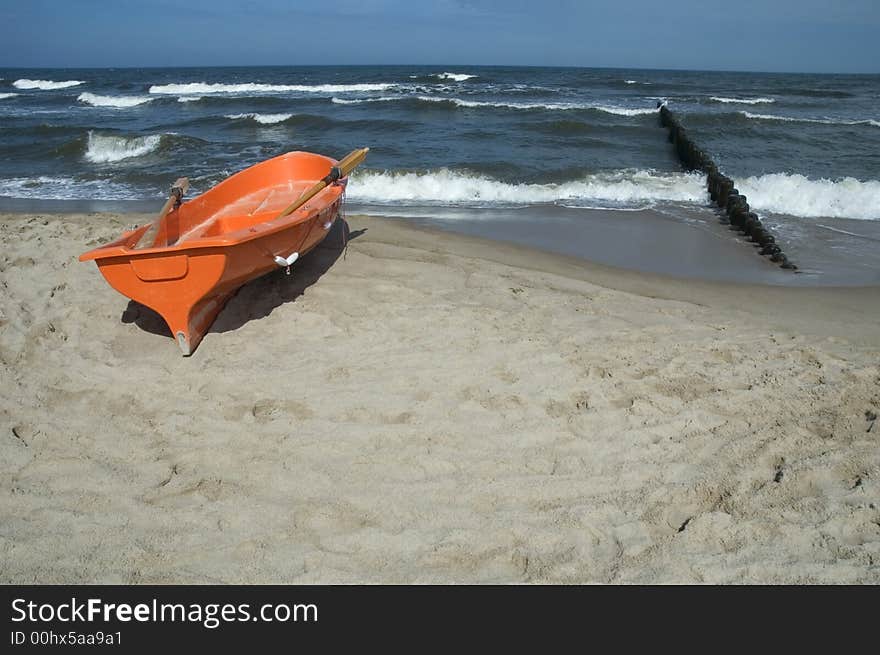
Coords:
414,65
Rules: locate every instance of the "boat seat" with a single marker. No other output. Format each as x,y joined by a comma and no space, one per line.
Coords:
260,206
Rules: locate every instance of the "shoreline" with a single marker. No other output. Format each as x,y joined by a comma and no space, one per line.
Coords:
684,243
853,307
434,407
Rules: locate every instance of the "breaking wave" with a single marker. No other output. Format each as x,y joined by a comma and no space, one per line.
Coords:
205,87
349,101
120,102
263,119
825,121
103,149
45,85
796,195
458,102
781,193
446,187
624,111
456,77
45,187
743,101
3,96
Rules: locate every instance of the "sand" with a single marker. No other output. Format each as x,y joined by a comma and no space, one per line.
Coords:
427,407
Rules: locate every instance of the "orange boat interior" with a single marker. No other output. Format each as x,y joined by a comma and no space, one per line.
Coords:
251,197
228,212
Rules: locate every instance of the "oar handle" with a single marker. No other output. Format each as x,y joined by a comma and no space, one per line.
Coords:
178,189
352,160
348,163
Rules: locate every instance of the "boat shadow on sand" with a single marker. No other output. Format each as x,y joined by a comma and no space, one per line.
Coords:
258,298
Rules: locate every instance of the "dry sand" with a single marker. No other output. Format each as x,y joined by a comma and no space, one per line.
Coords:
434,408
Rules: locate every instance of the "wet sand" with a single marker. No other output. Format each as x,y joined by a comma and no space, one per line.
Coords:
433,407
686,242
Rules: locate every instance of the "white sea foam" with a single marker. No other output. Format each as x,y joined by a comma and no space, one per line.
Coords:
205,87
189,98
781,193
119,102
743,101
636,82
526,88
263,119
608,109
459,102
626,111
457,77
793,194
445,187
45,85
66,188
350,101
3,96
825,121
103,148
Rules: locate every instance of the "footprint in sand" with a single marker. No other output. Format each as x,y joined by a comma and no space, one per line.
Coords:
271,410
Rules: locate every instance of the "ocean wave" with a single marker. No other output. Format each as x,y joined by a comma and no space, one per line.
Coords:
44,187
457,77
796,195
300,120
563,106
624,111
824,121
3,96
189,98
743,101
527,89
45,85
432,78
636,82
105,148
205,87
120,102
471,104
350,101
263,119
446,187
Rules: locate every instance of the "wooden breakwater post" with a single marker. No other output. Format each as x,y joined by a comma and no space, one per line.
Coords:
737,212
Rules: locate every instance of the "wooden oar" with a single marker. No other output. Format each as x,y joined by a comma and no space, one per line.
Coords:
177,191
342,169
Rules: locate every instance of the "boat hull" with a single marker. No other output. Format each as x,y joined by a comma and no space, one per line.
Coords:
189,282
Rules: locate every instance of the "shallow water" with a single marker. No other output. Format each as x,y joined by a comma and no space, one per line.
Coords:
460,144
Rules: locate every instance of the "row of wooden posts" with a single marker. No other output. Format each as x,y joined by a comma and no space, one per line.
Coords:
737,212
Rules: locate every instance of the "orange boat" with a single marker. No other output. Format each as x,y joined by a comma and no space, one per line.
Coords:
197,254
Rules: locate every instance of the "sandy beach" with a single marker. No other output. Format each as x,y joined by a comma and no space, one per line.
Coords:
431,407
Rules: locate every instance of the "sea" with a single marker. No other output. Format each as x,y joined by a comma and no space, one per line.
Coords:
470,148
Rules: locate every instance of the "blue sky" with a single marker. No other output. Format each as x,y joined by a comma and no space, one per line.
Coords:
754,35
